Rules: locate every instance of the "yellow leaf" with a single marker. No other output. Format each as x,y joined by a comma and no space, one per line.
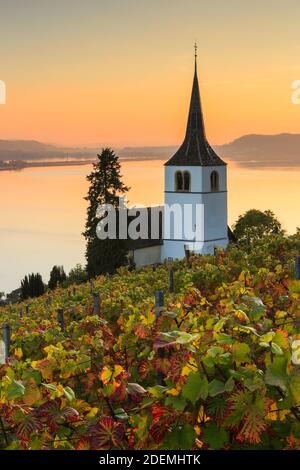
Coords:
118,370
275,414
45,367
202,418
188,368
105,375
93,412
197,430
18,353
32,392
173,391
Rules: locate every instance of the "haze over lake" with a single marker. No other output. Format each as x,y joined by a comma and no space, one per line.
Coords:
42,210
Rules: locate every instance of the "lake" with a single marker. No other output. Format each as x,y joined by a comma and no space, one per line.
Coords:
42,210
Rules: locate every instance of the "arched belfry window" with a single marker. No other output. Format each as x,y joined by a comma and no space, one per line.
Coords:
178,181
182,181
186,181
214,181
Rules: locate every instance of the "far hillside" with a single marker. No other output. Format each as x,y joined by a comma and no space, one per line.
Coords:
252,151
282,150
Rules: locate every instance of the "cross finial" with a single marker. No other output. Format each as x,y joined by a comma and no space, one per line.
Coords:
195,47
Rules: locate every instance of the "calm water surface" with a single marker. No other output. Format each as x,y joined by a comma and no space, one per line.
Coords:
42,210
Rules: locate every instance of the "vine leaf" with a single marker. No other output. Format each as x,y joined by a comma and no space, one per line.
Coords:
195,387
215,436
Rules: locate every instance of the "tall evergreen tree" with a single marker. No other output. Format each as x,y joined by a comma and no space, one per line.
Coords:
77,275
25,288
32,286
103,256
57,277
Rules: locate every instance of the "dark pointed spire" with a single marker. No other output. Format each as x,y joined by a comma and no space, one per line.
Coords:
195,149
195,120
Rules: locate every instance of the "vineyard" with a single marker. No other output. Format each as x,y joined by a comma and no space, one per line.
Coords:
132,361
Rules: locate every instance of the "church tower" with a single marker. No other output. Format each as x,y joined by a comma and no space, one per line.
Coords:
195,212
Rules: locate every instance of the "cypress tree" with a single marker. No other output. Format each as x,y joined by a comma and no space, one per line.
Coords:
32,286
57,277
106,186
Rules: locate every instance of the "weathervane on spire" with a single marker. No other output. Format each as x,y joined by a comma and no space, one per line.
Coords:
195,47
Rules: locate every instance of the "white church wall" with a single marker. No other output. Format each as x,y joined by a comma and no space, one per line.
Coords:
215,216
212,230
206,172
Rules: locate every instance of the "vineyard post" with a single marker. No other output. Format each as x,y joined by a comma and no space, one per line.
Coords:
298,268
92,285
60,318
159,302
6,339
74,291
187,253
96,308
21,312
171,275
27,309
159,305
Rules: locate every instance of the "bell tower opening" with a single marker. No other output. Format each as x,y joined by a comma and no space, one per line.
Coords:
214,182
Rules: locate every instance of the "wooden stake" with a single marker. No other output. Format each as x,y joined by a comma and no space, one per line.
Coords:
6,339
60,318
96,308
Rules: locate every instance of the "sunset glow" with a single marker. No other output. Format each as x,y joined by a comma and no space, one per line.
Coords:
120,72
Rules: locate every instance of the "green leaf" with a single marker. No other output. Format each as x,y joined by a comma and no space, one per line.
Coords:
229,385
50,387
215,351
69,393
267,338
187,436
177,402
15,390
294,386
158,391
263,344
195,387
185,338
215,437
240,352
276,349
182,438
223,338
215,387
120,413
276,373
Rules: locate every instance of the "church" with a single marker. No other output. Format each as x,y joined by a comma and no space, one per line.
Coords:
195,177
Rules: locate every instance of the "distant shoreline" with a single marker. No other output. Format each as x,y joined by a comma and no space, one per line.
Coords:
18,165
22,165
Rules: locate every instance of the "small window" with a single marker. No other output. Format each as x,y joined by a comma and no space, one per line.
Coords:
182,181
178,181
214,181
186,181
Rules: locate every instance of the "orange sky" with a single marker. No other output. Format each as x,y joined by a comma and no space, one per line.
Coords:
120,72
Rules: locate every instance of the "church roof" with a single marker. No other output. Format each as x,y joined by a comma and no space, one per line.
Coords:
195,150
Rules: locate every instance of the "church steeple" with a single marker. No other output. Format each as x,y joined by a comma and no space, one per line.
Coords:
195,150
195,119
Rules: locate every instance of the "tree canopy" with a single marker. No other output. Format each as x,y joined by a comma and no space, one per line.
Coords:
106,186
255,224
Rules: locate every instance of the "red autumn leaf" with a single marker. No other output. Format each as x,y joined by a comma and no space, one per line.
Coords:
83,444
158,432
107,434
28,425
